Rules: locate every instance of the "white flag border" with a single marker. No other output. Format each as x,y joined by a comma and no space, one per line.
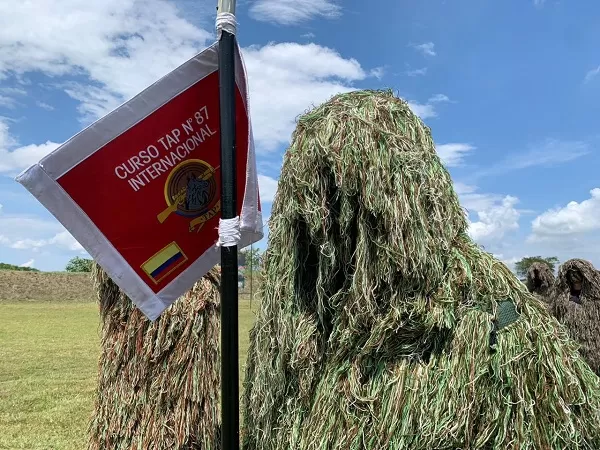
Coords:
40,180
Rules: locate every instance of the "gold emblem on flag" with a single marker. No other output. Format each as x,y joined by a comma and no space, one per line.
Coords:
190,191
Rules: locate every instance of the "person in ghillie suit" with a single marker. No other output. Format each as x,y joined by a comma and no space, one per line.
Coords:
576,303
158,383
382,325
540,280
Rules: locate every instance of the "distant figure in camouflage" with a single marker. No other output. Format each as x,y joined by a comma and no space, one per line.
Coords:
540,280
576,303
382,325
158,385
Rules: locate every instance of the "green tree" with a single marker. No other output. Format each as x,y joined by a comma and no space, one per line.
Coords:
250,257
523,266
5,266
78,264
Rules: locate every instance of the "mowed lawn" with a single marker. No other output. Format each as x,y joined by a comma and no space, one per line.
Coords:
48,365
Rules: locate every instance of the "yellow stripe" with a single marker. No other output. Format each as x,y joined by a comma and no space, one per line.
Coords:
157,260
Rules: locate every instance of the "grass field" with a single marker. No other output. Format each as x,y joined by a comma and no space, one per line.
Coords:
48,360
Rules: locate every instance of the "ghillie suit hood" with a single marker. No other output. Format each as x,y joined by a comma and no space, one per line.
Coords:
382,325
158,382
580,313
540,280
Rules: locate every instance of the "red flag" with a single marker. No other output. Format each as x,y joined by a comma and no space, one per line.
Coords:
140,188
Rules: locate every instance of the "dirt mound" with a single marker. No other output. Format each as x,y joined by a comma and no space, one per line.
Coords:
45,286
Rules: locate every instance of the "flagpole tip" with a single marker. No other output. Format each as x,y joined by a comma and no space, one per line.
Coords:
226,6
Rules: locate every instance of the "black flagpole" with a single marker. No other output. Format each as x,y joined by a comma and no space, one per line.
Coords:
229,255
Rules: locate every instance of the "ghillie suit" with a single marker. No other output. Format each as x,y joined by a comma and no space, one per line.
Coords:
382,325
579,309
158,383
540,280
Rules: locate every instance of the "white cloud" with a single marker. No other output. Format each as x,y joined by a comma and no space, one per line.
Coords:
424,111
439,98
8,94
427,48
13,159
94,101
453,154
45,106
62,240
23,157
427,110
7,102
496,215
268,188
121,45
298,76
475,201
292,12
416,72
590,75
309,35
27,232
551,152
570,221
377,72
65,240
6,140
495,221
29,263
539,3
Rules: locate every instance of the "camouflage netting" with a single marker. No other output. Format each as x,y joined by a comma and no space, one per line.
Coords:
382,325
540,280
580,311
158,383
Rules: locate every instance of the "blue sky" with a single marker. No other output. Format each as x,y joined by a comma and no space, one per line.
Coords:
510,89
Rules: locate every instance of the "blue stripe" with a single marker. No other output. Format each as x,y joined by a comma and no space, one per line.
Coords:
166,264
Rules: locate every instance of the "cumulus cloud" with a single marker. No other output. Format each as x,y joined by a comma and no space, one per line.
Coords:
427,110
117,48
268,188
62,240
570,221
292,12
122,46
27,232
496,220
13,161
424,111
298,76
427,48
495,215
